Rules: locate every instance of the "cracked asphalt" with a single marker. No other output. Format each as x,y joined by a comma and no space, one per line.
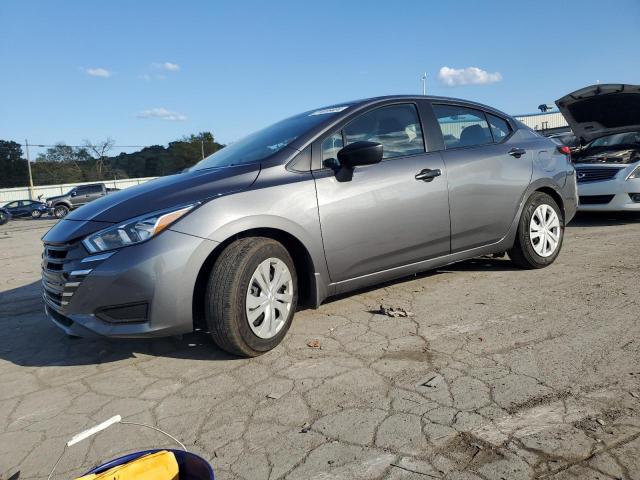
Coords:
496,373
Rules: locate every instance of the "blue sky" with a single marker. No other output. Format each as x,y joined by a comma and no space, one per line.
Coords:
148,72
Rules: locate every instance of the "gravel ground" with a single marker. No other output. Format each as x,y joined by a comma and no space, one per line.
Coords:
496,374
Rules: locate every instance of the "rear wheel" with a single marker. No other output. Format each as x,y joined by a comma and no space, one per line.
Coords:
36,213
251,296
60,211
540,233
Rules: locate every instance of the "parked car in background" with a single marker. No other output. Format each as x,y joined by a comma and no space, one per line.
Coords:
26,208
319,204
606,120
5,216
61,205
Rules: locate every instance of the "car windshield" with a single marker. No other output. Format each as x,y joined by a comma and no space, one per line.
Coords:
263,143
629,138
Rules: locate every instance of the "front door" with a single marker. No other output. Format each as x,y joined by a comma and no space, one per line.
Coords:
383,217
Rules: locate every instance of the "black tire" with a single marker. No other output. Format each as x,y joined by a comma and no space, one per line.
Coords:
36,213
522,253
60,211
227,288
4,218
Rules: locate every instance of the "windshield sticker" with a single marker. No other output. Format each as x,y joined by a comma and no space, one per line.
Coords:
324,111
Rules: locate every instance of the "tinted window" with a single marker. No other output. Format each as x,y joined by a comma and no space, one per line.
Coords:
264,143
396,127
93,189
331,146
12,205
461,126
499,127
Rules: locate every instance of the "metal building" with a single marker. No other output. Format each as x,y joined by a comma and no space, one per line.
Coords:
546,123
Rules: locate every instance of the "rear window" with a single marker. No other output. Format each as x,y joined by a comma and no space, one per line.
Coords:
462,126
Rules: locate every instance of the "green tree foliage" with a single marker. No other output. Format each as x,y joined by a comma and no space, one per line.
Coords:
65,164
13,169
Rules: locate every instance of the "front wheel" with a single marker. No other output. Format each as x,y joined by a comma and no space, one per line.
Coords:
251,296
60,211
4,218
36,213
540,233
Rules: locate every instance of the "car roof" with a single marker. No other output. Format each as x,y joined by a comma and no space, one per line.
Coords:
432,98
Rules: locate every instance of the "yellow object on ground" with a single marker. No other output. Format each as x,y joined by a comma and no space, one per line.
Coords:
155,466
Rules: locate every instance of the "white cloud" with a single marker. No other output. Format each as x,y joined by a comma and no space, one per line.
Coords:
168,66
163,114
452,77
98,72
145,76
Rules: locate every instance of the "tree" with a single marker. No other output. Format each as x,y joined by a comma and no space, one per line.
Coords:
64,153
13,168
99,151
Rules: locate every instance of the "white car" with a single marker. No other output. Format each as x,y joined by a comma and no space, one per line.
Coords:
606,119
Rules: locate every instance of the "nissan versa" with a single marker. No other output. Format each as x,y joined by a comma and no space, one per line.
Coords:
321,203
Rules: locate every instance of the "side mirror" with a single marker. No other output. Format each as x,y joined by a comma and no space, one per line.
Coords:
74,193
360,153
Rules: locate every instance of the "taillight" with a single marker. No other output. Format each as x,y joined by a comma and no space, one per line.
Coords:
563,149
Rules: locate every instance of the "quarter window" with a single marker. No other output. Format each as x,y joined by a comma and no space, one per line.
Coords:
499,127
396,127
461,126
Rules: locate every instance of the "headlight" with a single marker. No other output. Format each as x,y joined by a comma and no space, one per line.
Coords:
135,230
634,174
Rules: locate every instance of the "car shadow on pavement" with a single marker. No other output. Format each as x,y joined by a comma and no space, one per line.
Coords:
604,219
479,264
28,338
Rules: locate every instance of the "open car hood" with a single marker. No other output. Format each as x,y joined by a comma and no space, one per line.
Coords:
600,110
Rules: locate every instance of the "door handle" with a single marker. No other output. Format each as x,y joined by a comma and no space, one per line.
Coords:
517,152
427,175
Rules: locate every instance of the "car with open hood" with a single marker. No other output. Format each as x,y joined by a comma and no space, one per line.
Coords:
319,204
606,120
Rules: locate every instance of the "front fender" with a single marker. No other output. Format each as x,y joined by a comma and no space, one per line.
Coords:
290,207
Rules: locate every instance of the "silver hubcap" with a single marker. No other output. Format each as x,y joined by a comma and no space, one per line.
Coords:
269,298
544,230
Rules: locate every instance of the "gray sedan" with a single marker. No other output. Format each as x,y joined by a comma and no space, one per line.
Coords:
319,204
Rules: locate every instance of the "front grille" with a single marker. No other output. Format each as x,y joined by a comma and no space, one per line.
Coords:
595,199
61,274
591,174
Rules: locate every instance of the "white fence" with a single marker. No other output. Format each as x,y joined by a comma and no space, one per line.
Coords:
22,193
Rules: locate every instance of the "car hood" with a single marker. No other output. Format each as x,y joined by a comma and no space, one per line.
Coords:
57,197
167,192
600,110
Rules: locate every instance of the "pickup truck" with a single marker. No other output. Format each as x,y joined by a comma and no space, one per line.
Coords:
76,197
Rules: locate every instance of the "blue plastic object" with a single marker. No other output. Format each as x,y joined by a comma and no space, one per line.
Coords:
190,465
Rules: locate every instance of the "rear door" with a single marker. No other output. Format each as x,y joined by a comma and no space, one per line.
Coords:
487,174
383,217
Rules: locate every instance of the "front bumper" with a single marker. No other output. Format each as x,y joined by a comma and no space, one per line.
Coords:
156,279
610,195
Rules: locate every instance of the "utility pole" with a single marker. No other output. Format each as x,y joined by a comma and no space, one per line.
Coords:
26,144
424,83
202,148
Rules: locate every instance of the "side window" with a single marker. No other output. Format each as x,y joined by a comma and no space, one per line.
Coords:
461,126
12,205
396,127
331,146
94,189
499,127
